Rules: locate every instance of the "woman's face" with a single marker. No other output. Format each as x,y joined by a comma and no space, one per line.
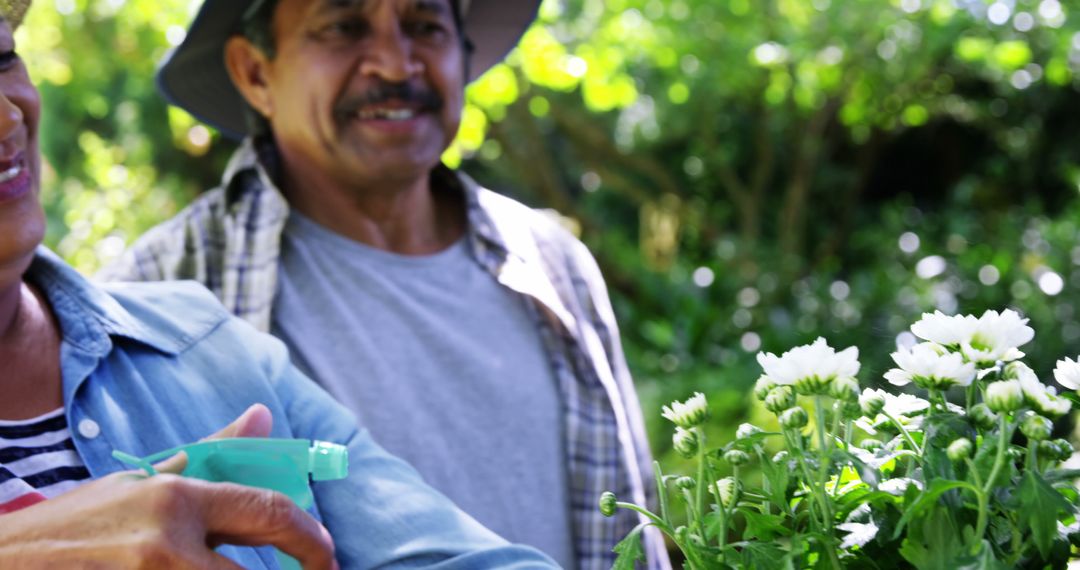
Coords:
22,221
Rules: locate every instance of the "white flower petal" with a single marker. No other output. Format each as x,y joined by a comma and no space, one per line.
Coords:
815,360
859,533
1067,373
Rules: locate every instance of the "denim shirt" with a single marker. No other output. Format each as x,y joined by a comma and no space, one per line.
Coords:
150,366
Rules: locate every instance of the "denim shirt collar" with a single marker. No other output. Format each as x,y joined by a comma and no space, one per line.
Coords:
89,317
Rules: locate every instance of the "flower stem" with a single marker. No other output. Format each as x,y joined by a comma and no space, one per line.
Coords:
980,495
661,491
825,454
648,514
999,461
825,462
724,509
796,446
699,495
904,432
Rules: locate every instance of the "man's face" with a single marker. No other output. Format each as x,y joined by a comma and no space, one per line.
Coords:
22,222
362,90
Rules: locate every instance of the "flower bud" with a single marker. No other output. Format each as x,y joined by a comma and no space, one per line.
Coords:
763,386
780,399
780,457
1004,396
871,444
1064,449
685,483
736,457
872,402
844,388
983,417
747,430
682,534
1036,427
726,488
851,411
607,503
794,418
693,412
1048,448
1017,370
960,449
685,442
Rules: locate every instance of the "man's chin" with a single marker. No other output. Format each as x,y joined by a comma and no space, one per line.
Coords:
391,165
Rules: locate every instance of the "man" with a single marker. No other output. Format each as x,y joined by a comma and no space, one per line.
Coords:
470,334
145,367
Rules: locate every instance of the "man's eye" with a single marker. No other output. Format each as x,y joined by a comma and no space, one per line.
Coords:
424,28
347,28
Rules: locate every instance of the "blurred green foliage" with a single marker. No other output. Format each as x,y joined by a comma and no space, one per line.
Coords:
750,173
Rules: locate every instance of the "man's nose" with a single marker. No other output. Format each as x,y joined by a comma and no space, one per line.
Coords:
11,118
391,56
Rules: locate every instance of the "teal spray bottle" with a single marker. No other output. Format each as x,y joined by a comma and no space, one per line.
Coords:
283,465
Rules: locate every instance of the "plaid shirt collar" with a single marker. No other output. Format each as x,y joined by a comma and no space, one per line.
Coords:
502,246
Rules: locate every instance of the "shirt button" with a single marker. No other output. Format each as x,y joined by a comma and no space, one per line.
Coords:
89,429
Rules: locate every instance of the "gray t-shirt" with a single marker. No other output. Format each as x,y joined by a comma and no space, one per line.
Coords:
443,365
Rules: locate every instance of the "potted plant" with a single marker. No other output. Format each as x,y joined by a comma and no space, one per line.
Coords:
962,473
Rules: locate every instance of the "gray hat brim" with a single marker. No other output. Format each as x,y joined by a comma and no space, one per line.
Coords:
193,76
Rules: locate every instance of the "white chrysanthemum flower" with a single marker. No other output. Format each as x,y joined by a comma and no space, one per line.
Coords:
810,368
944,329
688,414
1041,397
993,336
1067,373
904,404
997,337
930,366
872,401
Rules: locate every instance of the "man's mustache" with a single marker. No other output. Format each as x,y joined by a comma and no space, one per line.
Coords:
425,99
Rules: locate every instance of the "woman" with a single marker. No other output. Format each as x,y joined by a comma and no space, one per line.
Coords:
146,367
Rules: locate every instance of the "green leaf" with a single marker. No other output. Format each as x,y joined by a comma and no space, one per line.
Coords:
778,475
629,549
748,443
1054,475
763,526
927,499
983,560
933,542
867,470
1039,506
761,554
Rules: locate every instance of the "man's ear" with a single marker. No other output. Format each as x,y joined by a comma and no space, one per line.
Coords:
248,67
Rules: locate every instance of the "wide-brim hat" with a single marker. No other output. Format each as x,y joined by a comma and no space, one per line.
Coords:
193,76
14,11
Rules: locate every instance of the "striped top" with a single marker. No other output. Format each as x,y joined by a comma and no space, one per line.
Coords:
38,461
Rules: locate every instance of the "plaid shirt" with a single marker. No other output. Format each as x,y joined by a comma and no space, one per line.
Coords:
230,240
